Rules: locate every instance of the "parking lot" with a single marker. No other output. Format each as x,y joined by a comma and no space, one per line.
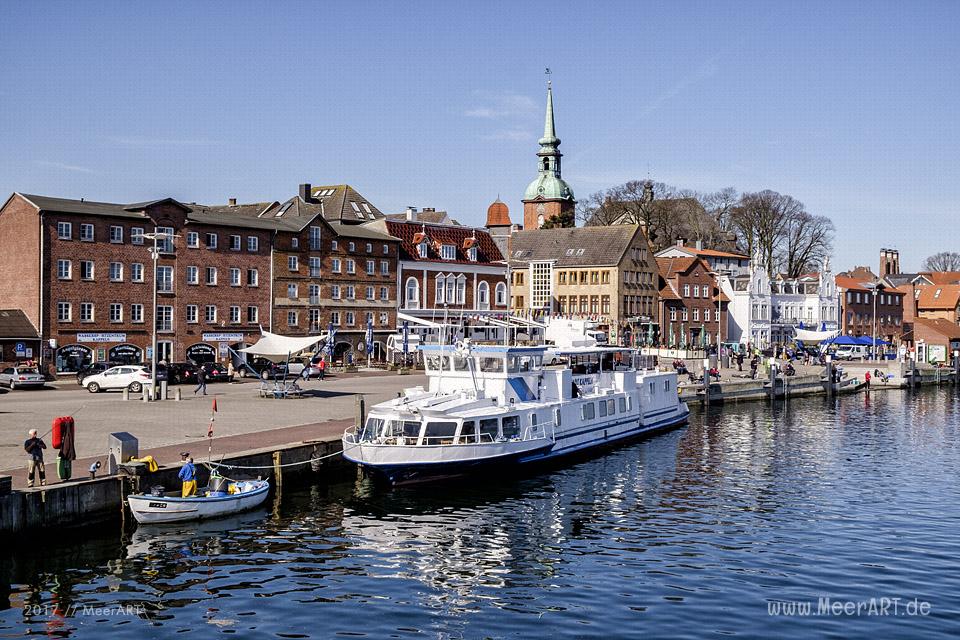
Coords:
168,422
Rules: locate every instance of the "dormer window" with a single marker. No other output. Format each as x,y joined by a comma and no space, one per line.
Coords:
448,252
472,254
422,249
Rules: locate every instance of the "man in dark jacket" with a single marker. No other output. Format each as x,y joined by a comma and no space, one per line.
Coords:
201,380
34,447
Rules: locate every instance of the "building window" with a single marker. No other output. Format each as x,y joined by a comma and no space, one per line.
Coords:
411,298
333,245
334,292
483,296
314,267
696,314
86,312
136,272
136,312
235,277
501,294
116,234
685,315
370,292
351,247
386,249
64,269
211,276
605,305
191,314
136,235
541,285
335,265
293,263
673,314
86,270
368,318
193,240
165,245
86,233
422,249
351,266
253,278
384,318
315,239
706,315
64,231
335,318
164,320
472,254
64,312
116,272
165,279
292,291
350,318
193,275
234,315
371,267
384,293
351,292
313,293
253,315
235,243
562,277
385,267
211,241
210,314
294,242
461,289
369,247
440,291
686,291
448,252
291,318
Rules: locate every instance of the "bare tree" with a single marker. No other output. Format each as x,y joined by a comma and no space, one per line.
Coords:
762,222
807,242
943,261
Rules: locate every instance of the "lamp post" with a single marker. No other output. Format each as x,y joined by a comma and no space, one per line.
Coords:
875,287
155,255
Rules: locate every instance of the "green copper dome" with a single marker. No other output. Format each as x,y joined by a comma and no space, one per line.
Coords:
550,187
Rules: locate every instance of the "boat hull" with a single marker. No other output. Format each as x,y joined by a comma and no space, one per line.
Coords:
165,509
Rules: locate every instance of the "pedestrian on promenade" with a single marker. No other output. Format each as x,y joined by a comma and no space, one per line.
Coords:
230,370
188,475
34,447
201,381
323,367
740,361
754,365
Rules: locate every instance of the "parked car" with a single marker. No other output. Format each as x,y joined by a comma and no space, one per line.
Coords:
850,352
182,373
162,373
15,377
94,367
279,369
127,376
274,370
216,372
258,365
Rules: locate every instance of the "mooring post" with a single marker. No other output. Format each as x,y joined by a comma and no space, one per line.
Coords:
277,470
829,374
361,410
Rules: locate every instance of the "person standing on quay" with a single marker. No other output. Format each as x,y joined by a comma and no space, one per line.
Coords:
34,447
188,475
323,367
740,361
201,381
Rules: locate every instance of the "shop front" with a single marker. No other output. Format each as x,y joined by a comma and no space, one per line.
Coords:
73,357
125,354
201,353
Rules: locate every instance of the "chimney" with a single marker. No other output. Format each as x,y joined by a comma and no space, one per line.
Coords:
233,202
699,245
411,213
305,193
679,242
429,209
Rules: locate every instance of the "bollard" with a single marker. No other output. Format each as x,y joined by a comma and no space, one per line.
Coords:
176,394
146,394
163,390
126,393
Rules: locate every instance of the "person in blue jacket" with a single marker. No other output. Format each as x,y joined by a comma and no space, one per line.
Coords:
188,475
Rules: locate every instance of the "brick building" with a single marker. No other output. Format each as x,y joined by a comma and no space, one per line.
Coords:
603,273
693,309
857,289
448,266
82,273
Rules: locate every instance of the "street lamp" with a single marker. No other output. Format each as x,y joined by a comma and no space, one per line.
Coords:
155,255
875,287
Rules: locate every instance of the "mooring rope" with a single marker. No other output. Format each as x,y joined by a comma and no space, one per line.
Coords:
213,465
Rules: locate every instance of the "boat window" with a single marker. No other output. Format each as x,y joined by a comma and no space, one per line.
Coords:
445,362
533,419
489,429
556,416
511,427
629,403
513,364
623,405
469,432
407,428
651,388
439,431
460,363
491,365
603,409
611,407
587,411
371,429
433,363
666,385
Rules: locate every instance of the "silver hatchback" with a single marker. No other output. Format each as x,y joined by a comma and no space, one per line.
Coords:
14,377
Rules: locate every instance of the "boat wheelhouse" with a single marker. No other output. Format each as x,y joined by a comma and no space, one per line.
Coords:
492,405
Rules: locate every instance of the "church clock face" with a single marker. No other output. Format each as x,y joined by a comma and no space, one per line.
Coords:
540,210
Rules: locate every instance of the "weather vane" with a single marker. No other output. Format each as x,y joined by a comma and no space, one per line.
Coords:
548,73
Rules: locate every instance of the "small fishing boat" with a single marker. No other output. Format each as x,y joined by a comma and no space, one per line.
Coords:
223,497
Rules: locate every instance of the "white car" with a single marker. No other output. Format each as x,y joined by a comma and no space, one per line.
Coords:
124,377
15,377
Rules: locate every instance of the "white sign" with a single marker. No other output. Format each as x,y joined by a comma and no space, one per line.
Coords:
101,337
29,352
223,337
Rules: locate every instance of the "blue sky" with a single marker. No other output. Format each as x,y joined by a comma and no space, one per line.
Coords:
849,107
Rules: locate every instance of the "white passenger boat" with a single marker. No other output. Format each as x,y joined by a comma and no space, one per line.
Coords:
490,406
170,507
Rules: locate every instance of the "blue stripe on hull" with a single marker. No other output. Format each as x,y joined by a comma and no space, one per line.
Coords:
412,473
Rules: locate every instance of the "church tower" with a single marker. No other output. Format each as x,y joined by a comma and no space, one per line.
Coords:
548,196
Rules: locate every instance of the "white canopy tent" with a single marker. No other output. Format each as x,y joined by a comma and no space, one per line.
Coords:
806,335
274,346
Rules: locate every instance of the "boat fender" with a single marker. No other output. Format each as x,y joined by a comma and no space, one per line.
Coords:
399,440
59,429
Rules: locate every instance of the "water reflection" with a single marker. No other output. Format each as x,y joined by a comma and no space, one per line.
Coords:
687,534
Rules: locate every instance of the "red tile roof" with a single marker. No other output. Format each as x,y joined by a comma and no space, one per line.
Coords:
945,328
498,215
438,235
943,277
935,296
717,254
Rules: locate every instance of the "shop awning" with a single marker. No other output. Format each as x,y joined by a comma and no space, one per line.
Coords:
274,346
